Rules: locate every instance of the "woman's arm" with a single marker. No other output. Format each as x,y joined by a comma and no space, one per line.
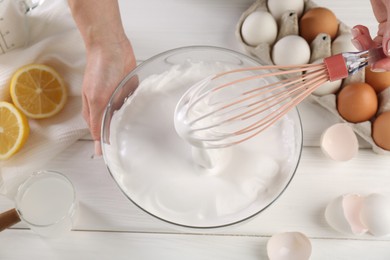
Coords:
109,56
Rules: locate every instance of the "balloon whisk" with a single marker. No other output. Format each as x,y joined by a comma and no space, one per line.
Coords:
228,108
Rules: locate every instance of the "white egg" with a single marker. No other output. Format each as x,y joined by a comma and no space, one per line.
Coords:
375,214
343,43
259,27
289,246
291,50
329,87
339,142
343,214
278,7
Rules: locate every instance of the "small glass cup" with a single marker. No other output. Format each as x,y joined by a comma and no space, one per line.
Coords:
47,203
14,30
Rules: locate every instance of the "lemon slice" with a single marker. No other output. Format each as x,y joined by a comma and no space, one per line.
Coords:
38,91
14,130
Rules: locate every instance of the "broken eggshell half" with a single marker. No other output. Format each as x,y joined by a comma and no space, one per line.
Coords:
289,246
356,214
339,142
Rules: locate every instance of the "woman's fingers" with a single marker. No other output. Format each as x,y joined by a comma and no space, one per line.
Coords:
362,39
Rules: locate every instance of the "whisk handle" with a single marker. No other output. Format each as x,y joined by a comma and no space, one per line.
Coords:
336,67
348,63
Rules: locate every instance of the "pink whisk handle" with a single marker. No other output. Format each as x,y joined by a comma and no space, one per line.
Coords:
345,64
336,66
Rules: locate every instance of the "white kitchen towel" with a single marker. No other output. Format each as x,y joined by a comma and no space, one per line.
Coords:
54,40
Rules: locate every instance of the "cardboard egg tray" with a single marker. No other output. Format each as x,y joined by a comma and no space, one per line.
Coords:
320,48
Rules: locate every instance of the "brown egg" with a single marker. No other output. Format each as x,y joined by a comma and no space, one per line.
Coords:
357,102
378,80
318,20
381,130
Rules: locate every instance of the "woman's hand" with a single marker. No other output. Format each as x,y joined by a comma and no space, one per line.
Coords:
109,57
106,67
363,41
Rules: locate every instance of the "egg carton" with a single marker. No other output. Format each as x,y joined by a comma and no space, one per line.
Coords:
321,47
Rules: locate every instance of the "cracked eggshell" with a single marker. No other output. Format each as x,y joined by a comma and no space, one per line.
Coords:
289,246
375,214
343,214
356,214
339,142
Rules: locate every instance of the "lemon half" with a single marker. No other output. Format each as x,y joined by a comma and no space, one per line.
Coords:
38,91
14,130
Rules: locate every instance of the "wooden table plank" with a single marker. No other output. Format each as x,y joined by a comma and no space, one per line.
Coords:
17,244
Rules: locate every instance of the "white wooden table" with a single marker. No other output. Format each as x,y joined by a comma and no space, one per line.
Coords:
111,227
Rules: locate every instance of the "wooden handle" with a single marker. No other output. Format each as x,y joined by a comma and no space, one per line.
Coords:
8,218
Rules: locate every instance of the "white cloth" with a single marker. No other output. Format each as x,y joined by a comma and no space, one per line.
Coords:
55,41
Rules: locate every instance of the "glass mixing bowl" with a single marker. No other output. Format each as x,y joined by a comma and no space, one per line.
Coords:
161,174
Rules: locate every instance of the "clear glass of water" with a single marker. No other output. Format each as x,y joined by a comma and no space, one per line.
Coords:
47,203
14,30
